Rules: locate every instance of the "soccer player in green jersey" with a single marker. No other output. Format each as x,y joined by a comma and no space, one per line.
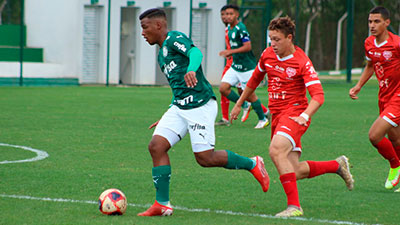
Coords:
194,109
243,64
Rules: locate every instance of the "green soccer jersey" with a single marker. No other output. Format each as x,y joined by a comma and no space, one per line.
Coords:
174,60
245,61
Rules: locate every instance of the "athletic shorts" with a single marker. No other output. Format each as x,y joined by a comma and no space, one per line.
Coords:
284,126
199,122
390,111
234,77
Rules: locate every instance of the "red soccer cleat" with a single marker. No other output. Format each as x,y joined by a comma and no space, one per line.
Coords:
260,173
157,210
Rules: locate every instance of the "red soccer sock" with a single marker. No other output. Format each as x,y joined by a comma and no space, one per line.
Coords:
265,110
397,150
321,167
385,148
225,107
289,184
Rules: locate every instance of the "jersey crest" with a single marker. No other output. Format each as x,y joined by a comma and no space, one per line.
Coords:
291,72
165,51
387,54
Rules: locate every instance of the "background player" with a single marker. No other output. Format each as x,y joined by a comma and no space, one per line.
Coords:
242,66
382,50
193,111
225,100
290,73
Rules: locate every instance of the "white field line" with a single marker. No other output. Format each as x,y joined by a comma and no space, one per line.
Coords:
323,221
39,154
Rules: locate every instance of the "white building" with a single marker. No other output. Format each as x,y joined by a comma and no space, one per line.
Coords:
74,37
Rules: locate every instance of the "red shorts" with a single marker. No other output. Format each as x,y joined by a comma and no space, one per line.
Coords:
283,125
390,111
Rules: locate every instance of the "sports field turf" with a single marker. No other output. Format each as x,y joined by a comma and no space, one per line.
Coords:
97,137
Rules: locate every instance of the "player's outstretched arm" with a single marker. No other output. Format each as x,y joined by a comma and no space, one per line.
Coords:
154,124
229,52
238,106
365,76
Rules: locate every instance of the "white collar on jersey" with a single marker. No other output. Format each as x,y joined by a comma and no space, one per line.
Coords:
381,44
284,58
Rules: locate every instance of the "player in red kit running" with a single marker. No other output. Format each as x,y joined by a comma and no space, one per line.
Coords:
382,50
290,72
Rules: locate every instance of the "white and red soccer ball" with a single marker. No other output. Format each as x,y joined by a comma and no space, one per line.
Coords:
112,202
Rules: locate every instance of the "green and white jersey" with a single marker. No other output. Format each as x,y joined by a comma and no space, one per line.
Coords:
174,60
245,61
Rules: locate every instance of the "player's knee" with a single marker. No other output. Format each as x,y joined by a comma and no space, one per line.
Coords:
154,148
224,89
274,152
374,137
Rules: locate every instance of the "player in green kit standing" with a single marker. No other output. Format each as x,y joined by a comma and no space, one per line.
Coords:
194,109
243,64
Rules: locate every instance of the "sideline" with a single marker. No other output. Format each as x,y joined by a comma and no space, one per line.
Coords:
305,219
40,154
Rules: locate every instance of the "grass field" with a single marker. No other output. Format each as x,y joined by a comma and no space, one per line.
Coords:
97,137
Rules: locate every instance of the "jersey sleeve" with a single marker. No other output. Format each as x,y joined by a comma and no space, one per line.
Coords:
312,83
180,43
258,75
367,56
244,36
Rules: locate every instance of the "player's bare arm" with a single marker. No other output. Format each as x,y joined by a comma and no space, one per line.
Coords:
238,106
228,52
365,76
303,118
154,124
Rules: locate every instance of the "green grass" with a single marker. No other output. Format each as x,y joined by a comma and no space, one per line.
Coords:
97,139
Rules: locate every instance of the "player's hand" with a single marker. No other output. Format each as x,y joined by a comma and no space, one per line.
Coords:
299,119
225,53
235,112
190,79
353,92
154,124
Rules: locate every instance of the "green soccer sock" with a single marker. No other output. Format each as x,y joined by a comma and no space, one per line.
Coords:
236,161
233,97
161,177
258,109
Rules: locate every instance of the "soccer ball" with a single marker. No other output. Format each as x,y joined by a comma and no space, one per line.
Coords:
112,202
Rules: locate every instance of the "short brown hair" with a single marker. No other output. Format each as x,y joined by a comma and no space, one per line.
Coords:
284,25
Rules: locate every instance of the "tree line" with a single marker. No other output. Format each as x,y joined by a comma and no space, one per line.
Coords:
322,48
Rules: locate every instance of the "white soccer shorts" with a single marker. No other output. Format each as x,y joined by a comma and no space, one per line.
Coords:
199,122
234,77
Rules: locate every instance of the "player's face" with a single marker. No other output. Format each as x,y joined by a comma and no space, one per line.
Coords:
377,25
279,43
231,16
223,17
150,30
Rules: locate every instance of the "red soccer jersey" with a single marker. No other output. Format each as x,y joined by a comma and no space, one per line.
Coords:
288,79
228,46
385,58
